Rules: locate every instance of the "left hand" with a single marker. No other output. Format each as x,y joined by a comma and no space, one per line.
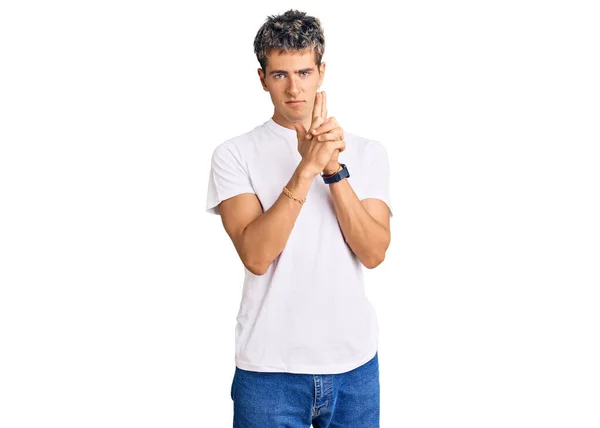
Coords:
329,130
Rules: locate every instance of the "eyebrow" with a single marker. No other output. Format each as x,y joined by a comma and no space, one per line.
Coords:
285,72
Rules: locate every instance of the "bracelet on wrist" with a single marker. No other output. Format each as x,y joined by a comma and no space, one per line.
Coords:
289,194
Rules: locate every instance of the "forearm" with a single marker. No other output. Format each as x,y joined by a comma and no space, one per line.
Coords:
366,237
265,238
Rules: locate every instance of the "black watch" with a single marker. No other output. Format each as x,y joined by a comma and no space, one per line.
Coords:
340,175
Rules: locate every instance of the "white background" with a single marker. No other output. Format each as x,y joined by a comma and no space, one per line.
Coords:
119,293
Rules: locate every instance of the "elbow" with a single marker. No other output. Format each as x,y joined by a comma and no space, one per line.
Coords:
373,261
252,259
373,254
256,268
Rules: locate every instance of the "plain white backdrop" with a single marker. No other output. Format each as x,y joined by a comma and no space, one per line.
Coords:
119,293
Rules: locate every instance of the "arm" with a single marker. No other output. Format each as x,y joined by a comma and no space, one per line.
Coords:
260,237
365,224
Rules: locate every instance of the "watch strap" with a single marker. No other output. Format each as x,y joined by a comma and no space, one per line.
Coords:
338,176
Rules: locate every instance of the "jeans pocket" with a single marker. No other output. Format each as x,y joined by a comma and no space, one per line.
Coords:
232,393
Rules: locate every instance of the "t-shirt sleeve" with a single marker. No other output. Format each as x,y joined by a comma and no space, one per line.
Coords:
227,178
377,175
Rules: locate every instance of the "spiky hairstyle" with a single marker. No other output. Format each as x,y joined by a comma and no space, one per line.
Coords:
292,31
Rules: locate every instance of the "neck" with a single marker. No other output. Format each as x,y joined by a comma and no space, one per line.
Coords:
280,120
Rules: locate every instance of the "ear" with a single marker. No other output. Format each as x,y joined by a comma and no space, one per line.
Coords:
321,73
262,79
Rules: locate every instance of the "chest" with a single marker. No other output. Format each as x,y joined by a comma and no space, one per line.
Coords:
270,167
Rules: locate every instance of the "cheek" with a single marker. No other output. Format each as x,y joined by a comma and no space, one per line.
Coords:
277,99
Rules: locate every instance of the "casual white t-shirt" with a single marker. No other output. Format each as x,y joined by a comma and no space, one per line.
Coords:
308,313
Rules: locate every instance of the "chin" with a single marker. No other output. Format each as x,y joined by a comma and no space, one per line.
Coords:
293,117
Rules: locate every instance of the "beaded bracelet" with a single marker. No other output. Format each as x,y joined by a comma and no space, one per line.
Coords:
287,193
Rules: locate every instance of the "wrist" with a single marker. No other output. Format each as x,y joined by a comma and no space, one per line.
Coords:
299,185
303,173
331,170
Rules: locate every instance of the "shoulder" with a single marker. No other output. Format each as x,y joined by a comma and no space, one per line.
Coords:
235,146
364,147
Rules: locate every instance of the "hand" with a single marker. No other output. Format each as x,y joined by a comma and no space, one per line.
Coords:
317,154
328,129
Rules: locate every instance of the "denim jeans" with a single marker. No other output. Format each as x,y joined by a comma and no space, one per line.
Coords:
291,400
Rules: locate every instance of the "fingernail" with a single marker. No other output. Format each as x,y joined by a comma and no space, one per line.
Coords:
314,131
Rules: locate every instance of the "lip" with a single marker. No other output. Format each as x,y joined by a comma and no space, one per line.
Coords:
294,102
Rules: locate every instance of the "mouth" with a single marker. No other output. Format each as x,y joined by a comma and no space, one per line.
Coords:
294,102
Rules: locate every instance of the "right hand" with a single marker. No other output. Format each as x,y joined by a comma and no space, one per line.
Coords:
316,154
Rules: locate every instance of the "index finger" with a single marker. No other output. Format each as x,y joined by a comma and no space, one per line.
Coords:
318,107
324,106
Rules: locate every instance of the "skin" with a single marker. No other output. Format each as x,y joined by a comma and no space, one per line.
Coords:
260,236
295,76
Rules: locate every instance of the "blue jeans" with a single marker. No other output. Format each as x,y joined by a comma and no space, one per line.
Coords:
291,400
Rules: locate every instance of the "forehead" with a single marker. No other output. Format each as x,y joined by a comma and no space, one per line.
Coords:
291,60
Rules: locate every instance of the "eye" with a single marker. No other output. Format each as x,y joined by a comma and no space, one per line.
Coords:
278,74
305,73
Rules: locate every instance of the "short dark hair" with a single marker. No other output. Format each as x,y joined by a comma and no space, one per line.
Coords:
292,31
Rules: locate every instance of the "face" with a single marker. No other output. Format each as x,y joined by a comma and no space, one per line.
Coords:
292,79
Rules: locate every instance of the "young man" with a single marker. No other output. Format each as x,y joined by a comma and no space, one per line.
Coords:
306,338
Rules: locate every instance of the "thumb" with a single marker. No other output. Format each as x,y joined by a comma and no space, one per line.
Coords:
301,131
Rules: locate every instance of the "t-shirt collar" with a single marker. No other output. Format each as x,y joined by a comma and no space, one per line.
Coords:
280,130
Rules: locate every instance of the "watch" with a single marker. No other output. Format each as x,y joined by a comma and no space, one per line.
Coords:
338,176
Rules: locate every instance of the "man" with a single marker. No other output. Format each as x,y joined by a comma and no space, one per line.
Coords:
307,337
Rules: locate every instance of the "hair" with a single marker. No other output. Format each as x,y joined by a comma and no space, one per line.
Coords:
292,31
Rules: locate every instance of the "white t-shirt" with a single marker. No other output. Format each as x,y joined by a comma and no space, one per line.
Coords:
308,313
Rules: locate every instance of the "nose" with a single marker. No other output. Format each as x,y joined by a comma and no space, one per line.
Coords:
293,88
